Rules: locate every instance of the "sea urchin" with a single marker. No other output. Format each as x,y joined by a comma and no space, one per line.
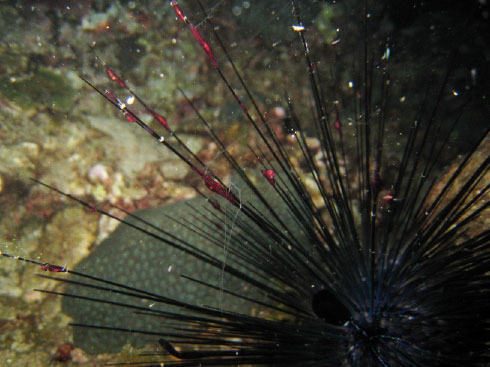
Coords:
349,249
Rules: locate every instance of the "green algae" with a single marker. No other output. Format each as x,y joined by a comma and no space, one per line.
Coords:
43,88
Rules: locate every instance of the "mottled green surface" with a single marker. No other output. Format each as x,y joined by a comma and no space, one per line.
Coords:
42,88
135,259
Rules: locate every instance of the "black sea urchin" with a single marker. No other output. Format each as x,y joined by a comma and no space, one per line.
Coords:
349,249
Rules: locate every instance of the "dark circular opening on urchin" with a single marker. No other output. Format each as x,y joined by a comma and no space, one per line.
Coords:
327,307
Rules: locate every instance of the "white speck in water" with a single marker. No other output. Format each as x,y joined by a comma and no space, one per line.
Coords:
237,11
474,74
386,54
